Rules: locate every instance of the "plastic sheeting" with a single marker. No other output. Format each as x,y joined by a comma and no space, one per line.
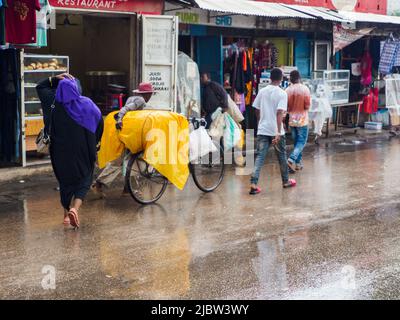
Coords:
393,94
163,137
321,108
188,83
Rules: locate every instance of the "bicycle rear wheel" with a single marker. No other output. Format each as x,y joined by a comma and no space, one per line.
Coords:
145,184
208,171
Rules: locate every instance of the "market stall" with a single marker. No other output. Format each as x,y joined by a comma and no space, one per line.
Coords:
95,41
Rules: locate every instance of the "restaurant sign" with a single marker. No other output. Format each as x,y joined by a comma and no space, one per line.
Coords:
128,6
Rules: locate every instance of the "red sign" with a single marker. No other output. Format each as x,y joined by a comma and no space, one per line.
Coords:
370,6
144,6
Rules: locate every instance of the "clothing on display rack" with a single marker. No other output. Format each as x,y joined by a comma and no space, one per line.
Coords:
366,69
41,25
9,105
3,6
21,21
390,56
371,101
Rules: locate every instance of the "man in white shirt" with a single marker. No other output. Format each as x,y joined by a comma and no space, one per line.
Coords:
271,105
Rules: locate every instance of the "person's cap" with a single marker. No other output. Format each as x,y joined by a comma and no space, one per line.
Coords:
144,87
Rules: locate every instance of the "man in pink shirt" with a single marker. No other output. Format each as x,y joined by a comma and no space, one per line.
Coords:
299,102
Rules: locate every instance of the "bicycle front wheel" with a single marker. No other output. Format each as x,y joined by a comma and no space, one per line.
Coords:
145,184
208,171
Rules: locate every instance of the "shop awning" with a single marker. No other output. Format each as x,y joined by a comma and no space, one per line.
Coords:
251,8
369,17
319,13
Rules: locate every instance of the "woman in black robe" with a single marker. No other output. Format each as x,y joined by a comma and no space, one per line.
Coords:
75,126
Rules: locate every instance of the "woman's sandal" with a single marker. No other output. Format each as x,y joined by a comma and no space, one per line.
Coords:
73,217
290,184
66,221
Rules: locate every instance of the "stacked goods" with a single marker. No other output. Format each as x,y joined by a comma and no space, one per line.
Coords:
52,64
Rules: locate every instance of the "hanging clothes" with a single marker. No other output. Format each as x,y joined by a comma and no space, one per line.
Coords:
366,69
274,56
249,77
371,101
237,77
388,56
3,6
21,21
41,25
9,105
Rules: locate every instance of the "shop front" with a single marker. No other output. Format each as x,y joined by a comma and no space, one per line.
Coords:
370,53
239,50
98,41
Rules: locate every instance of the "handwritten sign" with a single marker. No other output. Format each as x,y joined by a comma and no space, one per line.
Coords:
160,35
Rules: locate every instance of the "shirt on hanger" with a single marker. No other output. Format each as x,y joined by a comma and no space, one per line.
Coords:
41,25
21,21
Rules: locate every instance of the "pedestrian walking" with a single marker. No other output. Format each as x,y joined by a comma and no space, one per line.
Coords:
138,101
75,125
271,105
299,102
213,97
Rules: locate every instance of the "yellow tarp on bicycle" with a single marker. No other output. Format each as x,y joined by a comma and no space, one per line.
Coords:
163,137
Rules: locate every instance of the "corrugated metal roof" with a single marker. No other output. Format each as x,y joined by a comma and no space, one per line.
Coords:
252,8
319,12
369,17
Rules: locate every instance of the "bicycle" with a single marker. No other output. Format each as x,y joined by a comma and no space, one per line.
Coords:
146,185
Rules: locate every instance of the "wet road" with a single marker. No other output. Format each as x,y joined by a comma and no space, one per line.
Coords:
335,236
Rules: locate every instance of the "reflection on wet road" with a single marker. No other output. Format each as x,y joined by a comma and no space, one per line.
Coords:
337,236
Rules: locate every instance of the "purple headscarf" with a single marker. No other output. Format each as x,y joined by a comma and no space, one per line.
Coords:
81,109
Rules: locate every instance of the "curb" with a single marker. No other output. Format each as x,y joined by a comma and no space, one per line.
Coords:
9,174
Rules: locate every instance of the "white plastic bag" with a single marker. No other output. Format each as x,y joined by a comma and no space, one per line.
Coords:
234,110
232,133
200,144
217,126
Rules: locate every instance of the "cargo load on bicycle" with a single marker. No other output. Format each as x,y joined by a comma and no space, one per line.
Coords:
162,136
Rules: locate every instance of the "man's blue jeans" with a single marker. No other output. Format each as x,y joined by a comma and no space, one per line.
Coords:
263,143
300,136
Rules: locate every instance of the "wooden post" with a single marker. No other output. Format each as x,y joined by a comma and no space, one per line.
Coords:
133,61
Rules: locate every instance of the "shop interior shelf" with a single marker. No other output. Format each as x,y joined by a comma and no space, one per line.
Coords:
33,117
45,71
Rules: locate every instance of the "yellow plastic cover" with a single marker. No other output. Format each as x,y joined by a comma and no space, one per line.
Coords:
163,136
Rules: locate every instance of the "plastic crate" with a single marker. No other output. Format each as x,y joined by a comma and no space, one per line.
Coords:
373,125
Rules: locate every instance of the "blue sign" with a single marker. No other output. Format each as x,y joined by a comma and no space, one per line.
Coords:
223,21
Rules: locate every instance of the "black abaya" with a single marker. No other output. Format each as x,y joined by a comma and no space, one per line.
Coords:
72,148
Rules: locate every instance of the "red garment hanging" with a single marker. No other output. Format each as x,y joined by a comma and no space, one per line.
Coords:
366,69
21,21
371,101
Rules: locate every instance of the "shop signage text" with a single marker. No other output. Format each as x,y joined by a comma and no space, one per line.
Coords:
144,6
223,21
188,17
200,17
